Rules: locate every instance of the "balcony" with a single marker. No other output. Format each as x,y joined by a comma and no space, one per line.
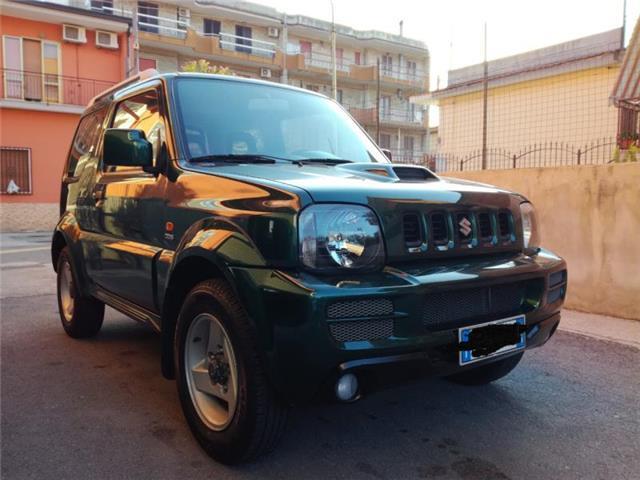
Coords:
32,90
347,68
401,117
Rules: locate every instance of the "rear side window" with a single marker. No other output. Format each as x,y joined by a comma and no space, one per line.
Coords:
141,112
86,140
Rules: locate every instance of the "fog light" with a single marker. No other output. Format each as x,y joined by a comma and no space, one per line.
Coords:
347,387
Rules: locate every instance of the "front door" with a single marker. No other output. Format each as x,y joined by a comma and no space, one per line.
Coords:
130,210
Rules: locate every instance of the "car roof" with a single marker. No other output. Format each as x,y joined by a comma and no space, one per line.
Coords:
127,89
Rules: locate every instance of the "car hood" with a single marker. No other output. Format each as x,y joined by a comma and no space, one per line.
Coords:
356,183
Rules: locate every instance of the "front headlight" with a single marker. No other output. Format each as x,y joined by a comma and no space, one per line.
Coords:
530,230
336,237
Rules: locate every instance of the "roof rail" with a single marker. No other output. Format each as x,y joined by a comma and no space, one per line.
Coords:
145,74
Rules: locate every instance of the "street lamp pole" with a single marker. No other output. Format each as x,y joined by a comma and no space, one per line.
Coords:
334,80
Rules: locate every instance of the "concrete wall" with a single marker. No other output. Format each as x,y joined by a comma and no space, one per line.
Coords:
590,215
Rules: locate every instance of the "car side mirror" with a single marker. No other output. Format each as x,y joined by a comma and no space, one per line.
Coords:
127,148
387,152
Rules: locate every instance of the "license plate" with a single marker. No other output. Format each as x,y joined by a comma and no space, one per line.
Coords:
491,336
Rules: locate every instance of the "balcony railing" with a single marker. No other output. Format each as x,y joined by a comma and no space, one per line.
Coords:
323,61
50,89
367,115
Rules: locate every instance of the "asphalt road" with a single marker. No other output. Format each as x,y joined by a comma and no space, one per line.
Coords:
100,408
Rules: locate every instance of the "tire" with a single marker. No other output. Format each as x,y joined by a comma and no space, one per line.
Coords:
255,421
486,373
81,316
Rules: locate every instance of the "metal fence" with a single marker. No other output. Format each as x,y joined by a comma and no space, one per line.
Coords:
543,154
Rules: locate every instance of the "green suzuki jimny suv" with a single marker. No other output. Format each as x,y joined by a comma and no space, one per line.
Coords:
282,256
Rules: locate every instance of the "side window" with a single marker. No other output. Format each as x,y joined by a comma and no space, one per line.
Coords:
85,142
141,112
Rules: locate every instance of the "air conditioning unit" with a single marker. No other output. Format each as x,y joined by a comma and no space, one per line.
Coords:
184,12
74,34
106,39
273,32
265,72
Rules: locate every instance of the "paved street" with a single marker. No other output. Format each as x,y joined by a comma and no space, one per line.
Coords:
101,409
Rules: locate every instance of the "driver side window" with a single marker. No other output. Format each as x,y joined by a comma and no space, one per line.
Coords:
141,112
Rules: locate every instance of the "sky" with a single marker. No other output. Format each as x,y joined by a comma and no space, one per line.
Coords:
453,29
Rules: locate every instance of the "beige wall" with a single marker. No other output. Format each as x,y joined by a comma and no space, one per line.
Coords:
589,215
573,108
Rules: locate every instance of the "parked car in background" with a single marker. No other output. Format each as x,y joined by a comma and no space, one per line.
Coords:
281,256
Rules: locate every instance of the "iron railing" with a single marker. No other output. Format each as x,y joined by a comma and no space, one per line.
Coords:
366,115
50,89
542,154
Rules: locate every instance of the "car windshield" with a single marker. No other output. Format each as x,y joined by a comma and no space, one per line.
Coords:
222,117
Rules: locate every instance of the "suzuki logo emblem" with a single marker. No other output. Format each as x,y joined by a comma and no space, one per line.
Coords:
465,226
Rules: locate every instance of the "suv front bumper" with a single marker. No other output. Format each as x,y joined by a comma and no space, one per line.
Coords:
306,347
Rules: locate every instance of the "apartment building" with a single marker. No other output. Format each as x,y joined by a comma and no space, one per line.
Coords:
258,41
54,59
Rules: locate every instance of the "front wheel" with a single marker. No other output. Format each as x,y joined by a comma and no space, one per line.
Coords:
81,316
486,373
226,398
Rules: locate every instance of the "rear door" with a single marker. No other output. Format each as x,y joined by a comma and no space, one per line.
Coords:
129,208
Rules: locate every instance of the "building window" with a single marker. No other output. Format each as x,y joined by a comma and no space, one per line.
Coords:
408,144
305,49
211,27
339,92
313,88
412,69
182,19
387,64
148,17
339,57
243,39
32,69
102,6
385,106
385,141
15,171
357,58
147,63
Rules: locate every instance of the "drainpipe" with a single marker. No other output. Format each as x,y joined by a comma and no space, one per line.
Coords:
284,78
136,41
334,80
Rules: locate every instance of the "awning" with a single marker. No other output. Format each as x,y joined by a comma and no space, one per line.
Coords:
626,93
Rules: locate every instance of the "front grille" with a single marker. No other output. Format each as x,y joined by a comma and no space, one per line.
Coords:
439,230
453,307
464,227
504,224
484,225
374,307
361,330
412,230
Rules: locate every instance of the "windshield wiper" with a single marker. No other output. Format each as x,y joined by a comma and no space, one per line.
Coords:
328,161
237,158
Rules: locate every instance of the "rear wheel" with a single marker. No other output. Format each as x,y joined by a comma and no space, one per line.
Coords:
485,374
81,316
227,400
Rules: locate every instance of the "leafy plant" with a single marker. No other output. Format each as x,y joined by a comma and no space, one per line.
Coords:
204,66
